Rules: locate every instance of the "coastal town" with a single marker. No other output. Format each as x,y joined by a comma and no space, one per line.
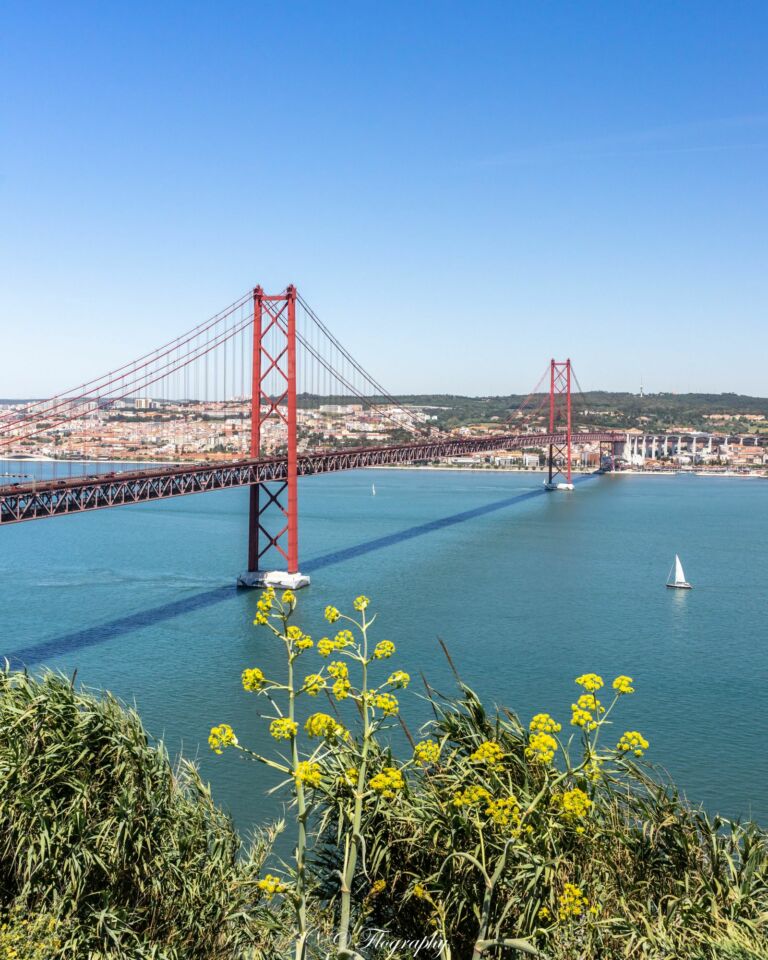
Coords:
147,429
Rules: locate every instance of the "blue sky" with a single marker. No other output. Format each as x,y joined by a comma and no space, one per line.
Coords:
461,190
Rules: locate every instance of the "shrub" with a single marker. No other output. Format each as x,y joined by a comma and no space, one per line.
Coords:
97,830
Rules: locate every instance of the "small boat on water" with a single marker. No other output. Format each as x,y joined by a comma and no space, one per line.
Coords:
373,489
679,582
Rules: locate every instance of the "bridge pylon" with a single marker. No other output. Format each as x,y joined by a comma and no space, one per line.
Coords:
559,410
273,519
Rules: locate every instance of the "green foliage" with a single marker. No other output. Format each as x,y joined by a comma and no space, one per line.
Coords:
98,831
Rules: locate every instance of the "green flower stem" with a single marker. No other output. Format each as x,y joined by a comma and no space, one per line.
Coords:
301,843
351,850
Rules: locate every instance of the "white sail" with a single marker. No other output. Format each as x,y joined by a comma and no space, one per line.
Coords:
679,574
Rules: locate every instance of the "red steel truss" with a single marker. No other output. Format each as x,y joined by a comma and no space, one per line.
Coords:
275,315
54,498
560,410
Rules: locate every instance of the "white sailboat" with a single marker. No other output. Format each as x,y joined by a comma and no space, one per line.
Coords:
679,582
373,489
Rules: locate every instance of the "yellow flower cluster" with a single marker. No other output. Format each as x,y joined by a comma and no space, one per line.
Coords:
294,633
632,741
29,938
264,606
360,603
470,796
283,728
221,737
420,891
572,902
590,681
379,886
253,679
331,614
326,646
272,885
588,701
288,598
338,670
623,684
544,914
575,804
341,688
426,752
541,748
489,753
308,772
323,725
387,782
504,811
384,649
543,723
582,718
387,703
313,684
399,679
304,642
349,777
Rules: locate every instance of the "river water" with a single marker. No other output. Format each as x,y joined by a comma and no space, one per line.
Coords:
527,590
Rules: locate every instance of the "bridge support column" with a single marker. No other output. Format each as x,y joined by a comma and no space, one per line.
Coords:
559,386
273,521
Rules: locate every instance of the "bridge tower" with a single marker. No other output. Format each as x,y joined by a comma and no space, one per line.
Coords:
559,415
273,520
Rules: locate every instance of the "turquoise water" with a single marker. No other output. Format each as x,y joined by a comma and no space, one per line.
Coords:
528,590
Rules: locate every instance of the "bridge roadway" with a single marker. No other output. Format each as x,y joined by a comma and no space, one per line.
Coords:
53,498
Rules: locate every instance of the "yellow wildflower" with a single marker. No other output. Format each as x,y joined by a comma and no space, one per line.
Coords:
384,649
338,670
221,737
419,891
331,614
304,642
272,885
379,886
313,684
632,741
489,753
289,597
588,701
283,728
253,679
623,684
426,752
590,681
541,748
361,603
344,638
582,718
341,688
323,725
325,647
386,703
575,804
572,902
470,796
387,782
543,723
294,633
260,619
349,777
399,679
308,772
544,914
504,811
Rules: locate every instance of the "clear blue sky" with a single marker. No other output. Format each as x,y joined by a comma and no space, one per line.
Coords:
461,190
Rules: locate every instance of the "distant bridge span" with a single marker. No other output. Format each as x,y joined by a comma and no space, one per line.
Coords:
55,498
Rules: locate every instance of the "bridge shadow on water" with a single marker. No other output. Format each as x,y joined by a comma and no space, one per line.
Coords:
100,633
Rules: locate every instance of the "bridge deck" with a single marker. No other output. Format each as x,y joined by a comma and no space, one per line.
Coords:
52,498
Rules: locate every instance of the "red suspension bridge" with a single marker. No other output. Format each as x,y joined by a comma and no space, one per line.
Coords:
258,396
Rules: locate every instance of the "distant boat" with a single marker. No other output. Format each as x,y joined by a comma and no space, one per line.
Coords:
373,489
679,582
